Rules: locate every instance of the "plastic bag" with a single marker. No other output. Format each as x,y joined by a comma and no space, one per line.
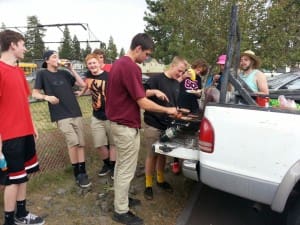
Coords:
286,103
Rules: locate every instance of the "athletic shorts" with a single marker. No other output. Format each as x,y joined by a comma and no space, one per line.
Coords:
21,158
151,135
101,132
72,128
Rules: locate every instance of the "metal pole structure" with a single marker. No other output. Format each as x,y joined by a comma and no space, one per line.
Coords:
230,49
234,45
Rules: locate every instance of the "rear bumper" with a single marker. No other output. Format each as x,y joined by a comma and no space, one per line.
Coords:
190,169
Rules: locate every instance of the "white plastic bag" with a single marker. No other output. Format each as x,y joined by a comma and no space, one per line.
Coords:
286,103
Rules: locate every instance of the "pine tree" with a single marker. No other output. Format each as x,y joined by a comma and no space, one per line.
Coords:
65,49
122,52
111,53
34,39
76,53
86,51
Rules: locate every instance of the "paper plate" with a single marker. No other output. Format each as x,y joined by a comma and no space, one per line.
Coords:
194,91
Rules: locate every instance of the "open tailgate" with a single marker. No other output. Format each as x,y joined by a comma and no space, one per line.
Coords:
183,147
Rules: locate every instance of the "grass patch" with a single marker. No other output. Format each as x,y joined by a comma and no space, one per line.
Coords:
53,178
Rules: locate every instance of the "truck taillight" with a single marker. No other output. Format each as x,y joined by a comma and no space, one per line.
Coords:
206,136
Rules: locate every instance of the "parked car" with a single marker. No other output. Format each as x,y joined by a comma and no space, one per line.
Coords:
285,81
144,78
270,73
287,84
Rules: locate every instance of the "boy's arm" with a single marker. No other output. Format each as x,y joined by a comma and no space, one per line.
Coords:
37,94
159,94
79,81
82,91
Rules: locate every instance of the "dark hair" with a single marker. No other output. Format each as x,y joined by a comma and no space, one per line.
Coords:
99,52
7,37
143,40
200,63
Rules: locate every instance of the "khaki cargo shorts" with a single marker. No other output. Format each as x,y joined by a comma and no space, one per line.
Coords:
72,128
151,135
101,132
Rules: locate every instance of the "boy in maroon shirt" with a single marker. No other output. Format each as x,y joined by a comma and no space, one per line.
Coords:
125,97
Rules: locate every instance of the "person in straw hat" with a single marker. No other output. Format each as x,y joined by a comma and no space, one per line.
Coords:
254,78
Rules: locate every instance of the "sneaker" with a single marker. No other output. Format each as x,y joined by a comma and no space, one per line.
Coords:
127,218
29,219
148,193
175,168
83,180
133,202
104,171
165,186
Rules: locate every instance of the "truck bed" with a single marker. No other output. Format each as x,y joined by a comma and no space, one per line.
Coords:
255,150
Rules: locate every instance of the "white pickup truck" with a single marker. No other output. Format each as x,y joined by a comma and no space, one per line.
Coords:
249,151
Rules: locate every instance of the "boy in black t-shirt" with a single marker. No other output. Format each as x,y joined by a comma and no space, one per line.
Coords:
96,83
166,83
64,109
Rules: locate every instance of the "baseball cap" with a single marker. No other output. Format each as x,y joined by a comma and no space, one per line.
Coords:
46,56
222,60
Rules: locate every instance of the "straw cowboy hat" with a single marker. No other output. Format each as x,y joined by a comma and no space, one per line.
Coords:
252,56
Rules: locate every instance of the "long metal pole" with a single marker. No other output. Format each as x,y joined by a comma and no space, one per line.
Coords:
230,50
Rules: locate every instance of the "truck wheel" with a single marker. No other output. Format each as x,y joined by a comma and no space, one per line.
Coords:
293,214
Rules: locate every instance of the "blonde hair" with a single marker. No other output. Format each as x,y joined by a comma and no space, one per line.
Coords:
178,59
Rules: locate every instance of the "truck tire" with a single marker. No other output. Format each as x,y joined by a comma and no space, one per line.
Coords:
293,214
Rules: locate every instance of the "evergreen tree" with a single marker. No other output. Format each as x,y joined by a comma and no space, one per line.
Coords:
111,53
159,29
122,52
102,46
34,39
86,51
65,49
76,53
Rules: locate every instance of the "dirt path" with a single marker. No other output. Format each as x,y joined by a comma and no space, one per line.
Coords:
55,197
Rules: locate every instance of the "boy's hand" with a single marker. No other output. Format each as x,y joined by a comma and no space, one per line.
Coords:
172,111
160,95
52,99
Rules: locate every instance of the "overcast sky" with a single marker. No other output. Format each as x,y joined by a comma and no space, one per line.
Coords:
121,19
